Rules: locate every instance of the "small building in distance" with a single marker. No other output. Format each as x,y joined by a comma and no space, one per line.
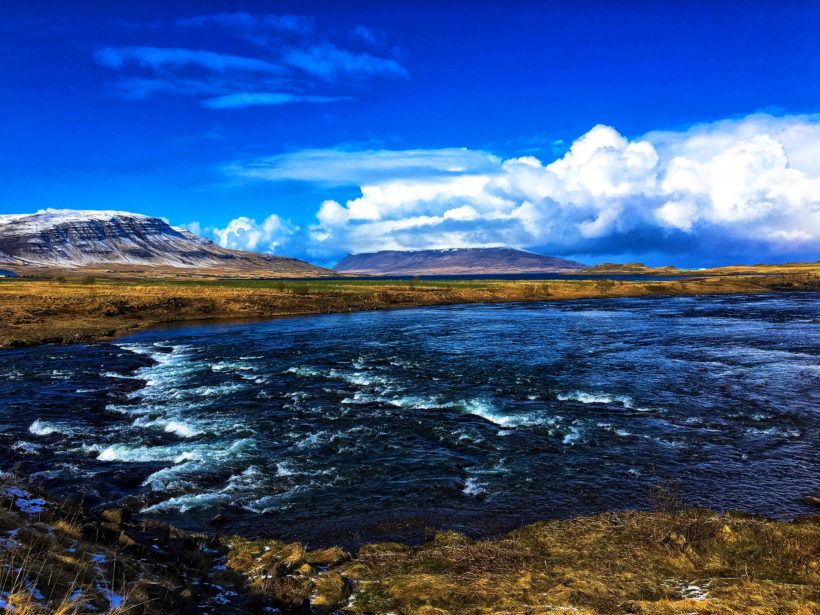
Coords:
5,273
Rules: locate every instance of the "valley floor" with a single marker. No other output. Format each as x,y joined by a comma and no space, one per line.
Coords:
86,310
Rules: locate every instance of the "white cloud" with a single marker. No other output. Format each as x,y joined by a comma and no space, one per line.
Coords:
334,166
749,184
246,234
174,57
289,62
331,63
257,99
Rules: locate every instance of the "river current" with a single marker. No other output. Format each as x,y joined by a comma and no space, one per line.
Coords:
369,426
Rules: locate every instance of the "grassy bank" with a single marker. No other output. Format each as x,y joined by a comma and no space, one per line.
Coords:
83,310
56,557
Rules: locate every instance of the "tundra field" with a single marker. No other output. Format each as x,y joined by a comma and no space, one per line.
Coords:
85,309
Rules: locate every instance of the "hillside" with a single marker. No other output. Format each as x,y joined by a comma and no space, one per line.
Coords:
87,240
455,261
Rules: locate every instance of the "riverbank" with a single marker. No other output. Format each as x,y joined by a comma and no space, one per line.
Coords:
87,310
58,557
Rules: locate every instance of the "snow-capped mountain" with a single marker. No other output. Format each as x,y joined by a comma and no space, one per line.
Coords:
74,239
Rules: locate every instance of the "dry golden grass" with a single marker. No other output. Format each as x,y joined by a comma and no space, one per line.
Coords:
693,561
33,312
64,560
785,269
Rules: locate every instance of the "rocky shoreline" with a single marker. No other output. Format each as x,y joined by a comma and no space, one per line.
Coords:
58,557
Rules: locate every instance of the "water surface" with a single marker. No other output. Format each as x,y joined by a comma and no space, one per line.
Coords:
377,425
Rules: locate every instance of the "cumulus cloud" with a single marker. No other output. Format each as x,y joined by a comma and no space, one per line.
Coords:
747,186
247,234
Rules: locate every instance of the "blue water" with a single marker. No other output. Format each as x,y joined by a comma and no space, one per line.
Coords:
377,425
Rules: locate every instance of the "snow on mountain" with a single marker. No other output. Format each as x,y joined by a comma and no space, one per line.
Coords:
75,238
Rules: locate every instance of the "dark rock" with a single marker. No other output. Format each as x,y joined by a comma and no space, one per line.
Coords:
218,519
111,527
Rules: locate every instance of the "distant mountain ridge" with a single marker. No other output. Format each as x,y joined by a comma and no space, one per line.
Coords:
75,239
453,261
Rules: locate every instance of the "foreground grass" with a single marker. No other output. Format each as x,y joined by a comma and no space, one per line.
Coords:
81,310
58,558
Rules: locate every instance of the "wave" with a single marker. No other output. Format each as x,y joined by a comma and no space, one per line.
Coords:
412,402
176,454
600,398
181,429
27,448
486,411
120,376
217,390
171,478
358,378
139,454
246,482
473,487
284,468
46,428
174,426
276,502
622,433
185,503
573,435
231,366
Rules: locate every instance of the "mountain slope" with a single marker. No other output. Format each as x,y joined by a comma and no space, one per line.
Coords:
453,261
72,239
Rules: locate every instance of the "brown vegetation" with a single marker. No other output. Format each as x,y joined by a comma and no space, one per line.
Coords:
61,559
87,309
641,269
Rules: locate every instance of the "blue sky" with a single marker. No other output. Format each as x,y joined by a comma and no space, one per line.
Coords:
676,132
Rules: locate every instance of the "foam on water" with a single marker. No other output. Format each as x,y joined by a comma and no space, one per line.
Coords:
473,487
177,454
27,448
173,478
358,378
46,428
193,501
600,398
573,435
485,410
183,429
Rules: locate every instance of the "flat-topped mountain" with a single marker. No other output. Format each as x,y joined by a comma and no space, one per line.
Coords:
72,239
454,261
